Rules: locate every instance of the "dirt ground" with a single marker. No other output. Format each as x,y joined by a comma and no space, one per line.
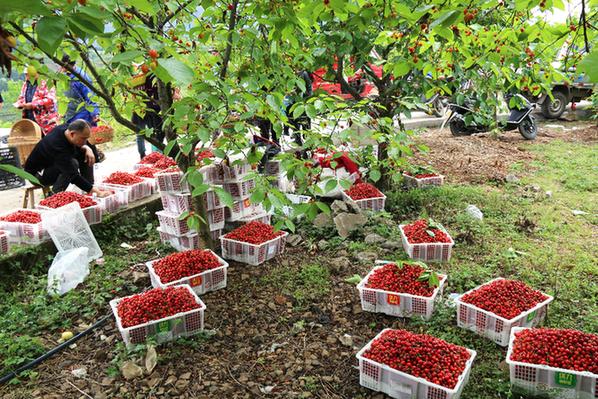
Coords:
265,345
482,157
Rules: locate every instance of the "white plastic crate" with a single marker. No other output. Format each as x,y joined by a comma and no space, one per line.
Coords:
207,281
235,171
550,382
242,208
153,182
295,199
428,252
172,182
367,204
492,326
136,191
183,324
211,200
4,235
24,233
93,214
180,243
252,254
175,202
414,182
114,202
239,189
262,217
212,174
397,303
215,234
399,385
171,223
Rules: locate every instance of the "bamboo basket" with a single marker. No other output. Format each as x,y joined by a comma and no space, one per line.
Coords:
24,135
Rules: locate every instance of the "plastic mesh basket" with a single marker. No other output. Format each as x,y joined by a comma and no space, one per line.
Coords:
210,280
136,191
4,235
395,303
414,182
427,252
114,202
252,254
492,326
242,208
235,171
182,324
239,189
399,385
24,233
180,243
93,214
172,181
176,202
368,204
549,382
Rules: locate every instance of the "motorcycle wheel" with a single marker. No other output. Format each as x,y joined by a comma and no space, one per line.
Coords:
458,127
528,128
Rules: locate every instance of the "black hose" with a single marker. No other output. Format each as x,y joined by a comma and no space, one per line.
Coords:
53,351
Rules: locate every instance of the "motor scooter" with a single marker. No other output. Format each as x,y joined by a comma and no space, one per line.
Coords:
520,118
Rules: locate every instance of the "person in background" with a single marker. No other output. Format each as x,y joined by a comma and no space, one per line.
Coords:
37,101
151,119
78,95
63,157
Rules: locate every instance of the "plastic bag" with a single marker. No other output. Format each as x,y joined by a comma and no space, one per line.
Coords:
474,212
69,269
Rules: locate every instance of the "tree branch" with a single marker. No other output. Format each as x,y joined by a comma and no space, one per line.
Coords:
173,14
341,79
229,40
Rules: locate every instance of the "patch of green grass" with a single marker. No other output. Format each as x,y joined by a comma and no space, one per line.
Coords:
304,284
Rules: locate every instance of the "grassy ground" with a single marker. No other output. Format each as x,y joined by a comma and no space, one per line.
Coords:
525,234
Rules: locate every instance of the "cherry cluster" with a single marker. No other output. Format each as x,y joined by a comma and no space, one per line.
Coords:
152,158
184,264
420,355
420,232
567,349
165,163
254,233
403,279
505,298
146,172
155,304
66,197
205,154
361,191
24,216
123,179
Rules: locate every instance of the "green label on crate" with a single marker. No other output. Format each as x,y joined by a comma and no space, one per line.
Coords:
531,316
163,327
565,379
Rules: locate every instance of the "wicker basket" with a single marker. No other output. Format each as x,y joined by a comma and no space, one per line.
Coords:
101,136
24,135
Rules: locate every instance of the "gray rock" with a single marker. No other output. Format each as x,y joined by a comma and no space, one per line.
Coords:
322,220
346,340
511,178
322,245
347,222
353,207
374,238
577,212
366,256
391,244
340,264
339,207
549,194
294,239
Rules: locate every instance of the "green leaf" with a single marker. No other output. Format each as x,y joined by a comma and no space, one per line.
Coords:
224,196
50,32
21,173
375,175
431,233
290,225
30,7
126,57
323,207
88,24
330,185
142,5
589,66
401,68
298,111
177,70
354,279
434,281
446,18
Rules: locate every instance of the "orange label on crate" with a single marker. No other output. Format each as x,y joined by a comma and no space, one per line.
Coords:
246,203
393,299
195,281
